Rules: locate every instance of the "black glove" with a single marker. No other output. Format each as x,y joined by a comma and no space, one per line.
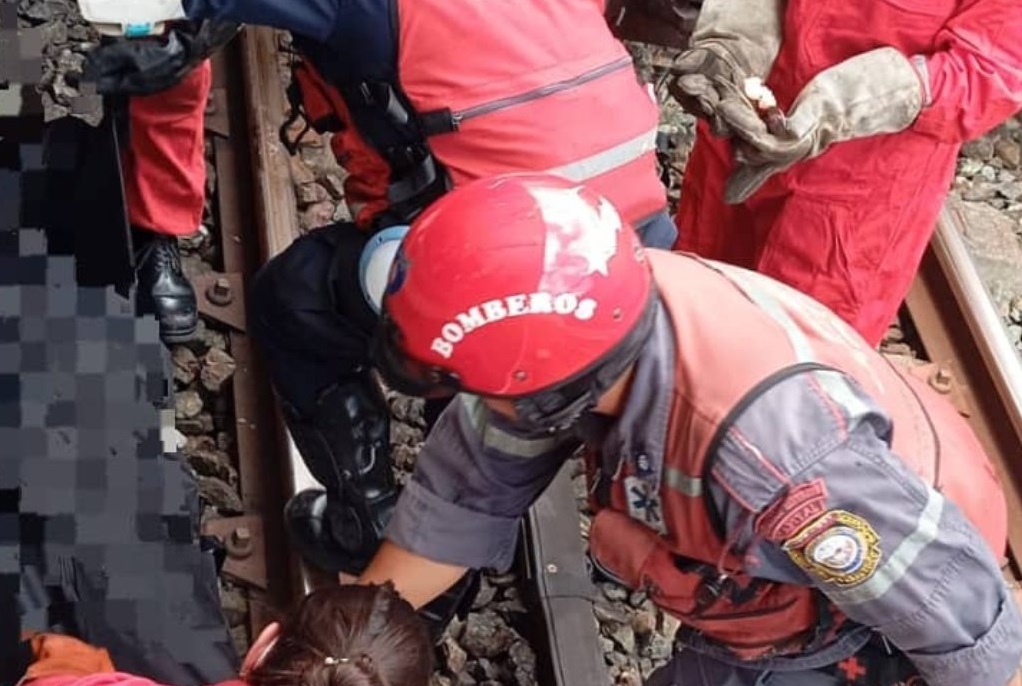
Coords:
456,601
143,66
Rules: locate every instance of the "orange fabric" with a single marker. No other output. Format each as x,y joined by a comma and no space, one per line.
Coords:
778,617
850,227
108,679
164,163
56,654
365,187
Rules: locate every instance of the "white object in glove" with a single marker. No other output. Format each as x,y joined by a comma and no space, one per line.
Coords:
759,93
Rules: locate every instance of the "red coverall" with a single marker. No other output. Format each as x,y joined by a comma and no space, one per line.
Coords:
164,164
850,227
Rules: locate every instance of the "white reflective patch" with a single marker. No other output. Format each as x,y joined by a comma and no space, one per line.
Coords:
894,569
777,299
841,392
683,483
609,159
766,302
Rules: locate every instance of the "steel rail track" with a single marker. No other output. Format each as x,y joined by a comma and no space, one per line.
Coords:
971,358
258,555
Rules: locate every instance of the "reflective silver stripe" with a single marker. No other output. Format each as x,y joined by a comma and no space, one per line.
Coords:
683,483
840,390
770,305
770,296
608,160
500,440
836,385
893,570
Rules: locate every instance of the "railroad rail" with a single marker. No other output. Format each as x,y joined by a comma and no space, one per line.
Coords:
258,556
971,359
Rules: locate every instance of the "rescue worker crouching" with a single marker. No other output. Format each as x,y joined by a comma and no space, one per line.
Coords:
805,508
419,97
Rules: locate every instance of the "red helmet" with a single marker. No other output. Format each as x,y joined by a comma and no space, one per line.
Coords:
514,286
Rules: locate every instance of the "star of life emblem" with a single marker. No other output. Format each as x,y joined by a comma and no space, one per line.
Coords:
644,503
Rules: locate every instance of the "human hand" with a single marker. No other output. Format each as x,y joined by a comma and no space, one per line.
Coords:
702,78
873,93
759,152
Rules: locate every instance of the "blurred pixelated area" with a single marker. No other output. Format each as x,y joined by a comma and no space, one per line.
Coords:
98,513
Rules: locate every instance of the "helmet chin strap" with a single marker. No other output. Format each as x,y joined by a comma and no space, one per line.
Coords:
559,408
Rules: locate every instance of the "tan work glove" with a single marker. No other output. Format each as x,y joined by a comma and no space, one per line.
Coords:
732,40
877,92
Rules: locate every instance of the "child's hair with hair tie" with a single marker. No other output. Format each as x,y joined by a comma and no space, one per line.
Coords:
355,635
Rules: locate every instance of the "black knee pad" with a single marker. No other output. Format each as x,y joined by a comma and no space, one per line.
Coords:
297,277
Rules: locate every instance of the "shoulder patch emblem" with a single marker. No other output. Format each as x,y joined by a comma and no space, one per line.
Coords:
800,505
838,547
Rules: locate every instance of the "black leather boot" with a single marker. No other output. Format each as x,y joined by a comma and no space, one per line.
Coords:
346,446
163,289
345,443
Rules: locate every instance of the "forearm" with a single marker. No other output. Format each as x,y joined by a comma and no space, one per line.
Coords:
418,579
462,508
